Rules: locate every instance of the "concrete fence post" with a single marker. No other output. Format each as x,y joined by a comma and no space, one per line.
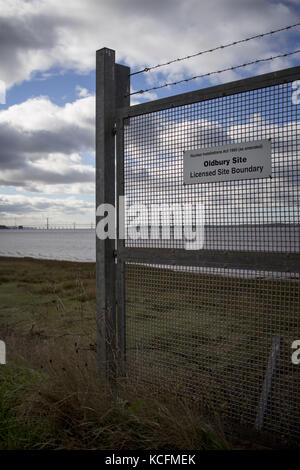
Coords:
112,84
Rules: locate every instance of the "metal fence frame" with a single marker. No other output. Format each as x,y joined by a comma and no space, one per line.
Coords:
113,109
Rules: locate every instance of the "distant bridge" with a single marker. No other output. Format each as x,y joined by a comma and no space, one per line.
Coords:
49,226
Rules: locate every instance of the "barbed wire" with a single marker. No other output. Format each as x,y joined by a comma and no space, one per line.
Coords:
234,43
214,73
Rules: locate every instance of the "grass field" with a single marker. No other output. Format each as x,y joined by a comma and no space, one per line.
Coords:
50,394
211,335
208,336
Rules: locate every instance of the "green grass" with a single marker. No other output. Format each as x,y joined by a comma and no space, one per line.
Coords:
16,382
50,296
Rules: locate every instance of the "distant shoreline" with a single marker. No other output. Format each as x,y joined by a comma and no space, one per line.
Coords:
32,258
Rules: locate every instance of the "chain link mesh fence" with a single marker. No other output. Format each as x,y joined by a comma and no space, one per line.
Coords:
210,331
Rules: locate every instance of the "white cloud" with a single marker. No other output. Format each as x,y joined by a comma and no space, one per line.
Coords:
82,92
41,113
41,143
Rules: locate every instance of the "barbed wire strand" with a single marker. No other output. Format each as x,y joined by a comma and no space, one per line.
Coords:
213,73
234,43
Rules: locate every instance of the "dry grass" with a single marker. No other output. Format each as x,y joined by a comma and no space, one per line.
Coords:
50,393
61,397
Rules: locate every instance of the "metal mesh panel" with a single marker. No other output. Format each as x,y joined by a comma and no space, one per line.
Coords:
253,215
210,335
210,331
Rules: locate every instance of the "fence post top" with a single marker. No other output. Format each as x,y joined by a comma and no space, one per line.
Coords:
105,50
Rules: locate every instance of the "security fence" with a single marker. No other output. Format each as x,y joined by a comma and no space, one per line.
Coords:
216,323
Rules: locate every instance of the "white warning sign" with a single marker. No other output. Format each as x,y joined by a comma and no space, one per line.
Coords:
247,160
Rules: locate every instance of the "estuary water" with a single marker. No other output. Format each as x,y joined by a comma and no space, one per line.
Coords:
79,245
68,245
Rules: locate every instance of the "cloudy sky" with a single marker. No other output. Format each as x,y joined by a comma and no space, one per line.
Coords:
47,50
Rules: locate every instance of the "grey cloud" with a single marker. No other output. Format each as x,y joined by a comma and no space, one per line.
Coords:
18,37
167,8
11,161
36,32
19,145
50,177
65,140
26,174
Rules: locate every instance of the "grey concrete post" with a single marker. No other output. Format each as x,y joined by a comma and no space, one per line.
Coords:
112,83
105,194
